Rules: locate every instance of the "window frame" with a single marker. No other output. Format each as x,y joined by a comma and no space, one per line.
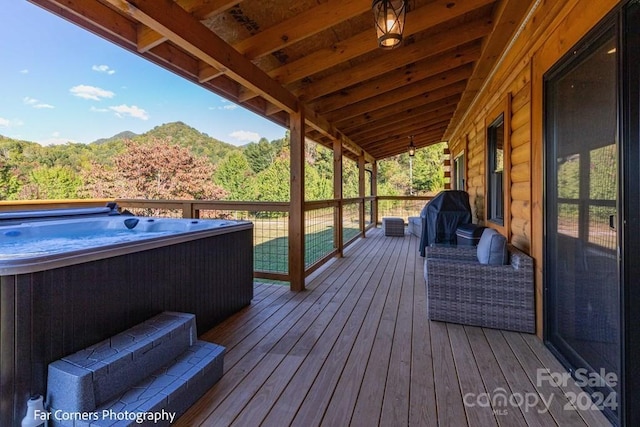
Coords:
500,115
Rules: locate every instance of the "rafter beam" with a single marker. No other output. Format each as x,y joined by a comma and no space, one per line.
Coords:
435,100
185,31
402,122
452,83
431,51
303,25
419,20
392,83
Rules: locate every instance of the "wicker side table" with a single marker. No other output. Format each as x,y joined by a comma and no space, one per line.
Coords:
393,226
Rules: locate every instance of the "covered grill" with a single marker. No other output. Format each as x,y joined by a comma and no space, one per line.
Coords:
442,215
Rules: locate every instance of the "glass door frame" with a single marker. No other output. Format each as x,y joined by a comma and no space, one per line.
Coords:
626,18
588,45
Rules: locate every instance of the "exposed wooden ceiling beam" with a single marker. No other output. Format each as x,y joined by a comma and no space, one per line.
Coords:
399,146
507,18
305,24
392,83
405,107
440,45
402,122
418,20
449,83
397,134
185,31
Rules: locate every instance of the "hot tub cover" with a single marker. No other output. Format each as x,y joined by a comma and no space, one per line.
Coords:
442,215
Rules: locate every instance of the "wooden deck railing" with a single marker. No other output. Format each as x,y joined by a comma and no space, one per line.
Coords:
330,225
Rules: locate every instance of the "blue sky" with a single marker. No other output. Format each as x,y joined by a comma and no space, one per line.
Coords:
60,83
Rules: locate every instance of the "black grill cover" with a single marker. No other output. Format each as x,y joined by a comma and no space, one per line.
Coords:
441,217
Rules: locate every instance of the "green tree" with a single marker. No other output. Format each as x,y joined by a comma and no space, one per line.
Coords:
235,176
260,155
428,172
272,184
57,182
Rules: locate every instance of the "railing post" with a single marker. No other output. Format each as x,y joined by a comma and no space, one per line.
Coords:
338,238
188,211
296,205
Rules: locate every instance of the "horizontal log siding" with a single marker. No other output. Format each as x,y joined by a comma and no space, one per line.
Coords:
553,29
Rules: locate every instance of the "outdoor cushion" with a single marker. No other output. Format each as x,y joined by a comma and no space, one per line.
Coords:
492,248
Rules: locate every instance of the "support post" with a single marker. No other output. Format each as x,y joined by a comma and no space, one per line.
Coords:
337,195
361,190
374,192
296,211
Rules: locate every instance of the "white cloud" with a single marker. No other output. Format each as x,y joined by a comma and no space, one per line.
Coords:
35,103
103,69
91,92
99,110
245,136
25,71
6,123
131,111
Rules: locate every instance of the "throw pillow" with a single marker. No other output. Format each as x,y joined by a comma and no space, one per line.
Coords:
492,248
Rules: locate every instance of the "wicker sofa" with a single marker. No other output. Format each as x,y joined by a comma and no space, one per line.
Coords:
461,290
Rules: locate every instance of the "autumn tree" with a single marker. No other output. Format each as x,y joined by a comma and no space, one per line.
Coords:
154,170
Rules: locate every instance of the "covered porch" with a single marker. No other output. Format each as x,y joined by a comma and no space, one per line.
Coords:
353,343
357,348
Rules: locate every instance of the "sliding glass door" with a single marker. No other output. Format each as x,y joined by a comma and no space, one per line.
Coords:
582,273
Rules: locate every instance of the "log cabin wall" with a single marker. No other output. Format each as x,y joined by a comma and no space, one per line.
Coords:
516,87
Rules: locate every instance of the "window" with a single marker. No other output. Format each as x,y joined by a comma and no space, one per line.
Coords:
495,171
458,172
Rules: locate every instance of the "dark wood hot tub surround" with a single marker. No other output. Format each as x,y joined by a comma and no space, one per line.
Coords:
46,315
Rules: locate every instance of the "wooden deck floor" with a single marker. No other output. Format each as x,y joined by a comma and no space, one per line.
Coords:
357,349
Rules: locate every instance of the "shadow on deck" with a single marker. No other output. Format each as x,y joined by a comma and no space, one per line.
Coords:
357,348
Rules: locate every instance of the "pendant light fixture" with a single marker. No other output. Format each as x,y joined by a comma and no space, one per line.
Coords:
412,148
389,18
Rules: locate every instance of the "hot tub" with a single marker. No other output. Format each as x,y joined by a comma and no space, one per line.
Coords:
57,298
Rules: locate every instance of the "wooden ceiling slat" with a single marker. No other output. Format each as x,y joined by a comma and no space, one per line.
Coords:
420,51
438,99
454,81
353,91
406,121
419,20
303,25
431,109
394,83
507,19
394,134
170,20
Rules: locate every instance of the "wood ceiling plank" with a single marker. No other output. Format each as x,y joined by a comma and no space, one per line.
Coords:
172,21
399,145
371,117
418,20
95,17
148,38
426,49
404,120
400,78
507,18
454,82
305,24
406,132
207,72
204,9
